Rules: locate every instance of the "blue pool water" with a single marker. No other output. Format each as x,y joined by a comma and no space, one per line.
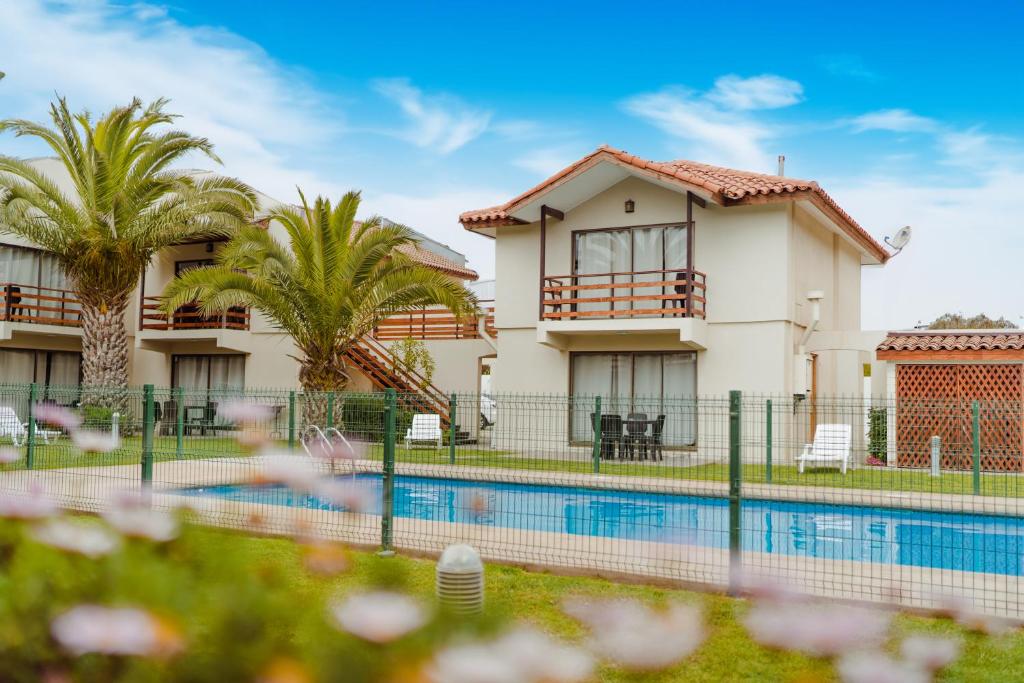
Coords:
966,542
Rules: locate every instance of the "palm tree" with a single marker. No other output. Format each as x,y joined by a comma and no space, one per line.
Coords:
126,204
335,282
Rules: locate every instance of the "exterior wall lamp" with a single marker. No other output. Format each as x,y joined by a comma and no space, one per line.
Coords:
630,206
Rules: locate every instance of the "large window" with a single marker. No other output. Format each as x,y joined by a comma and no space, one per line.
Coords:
650,383
208,382
629,255
58,374
37,282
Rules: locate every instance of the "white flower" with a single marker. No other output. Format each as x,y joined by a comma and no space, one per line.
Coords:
967,615
33,506
348,494
820,630
9,455
379,616
294,471
638,638
241,412
133,518
113,631
878,667
334,450
520,656
53,414
78,536
930,653
95,442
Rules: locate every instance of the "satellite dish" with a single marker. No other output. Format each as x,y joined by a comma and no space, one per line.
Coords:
901,239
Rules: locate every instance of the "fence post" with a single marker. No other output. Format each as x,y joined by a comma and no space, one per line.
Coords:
768,441
179,426
291,420
452,406
330,410
30,453
596,455
976,445
735,479
148,413
388,489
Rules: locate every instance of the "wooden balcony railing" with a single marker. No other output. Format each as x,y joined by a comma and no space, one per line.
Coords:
433,323
640,294
189,318
41,305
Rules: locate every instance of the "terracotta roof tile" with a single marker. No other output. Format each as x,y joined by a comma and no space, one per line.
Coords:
953,340
438,262
727,185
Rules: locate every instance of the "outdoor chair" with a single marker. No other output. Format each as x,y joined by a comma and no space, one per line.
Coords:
11,426
611,435
654,440
425,428
831,446
636,435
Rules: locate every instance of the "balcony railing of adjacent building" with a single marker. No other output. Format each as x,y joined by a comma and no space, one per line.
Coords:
188,317
40,305
642,294
434,323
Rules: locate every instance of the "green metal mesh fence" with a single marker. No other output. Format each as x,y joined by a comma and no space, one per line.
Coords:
850,498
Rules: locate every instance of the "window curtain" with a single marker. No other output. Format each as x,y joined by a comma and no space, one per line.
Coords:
17,368
679,393
602,253
52,277
675,259
648,255
608,375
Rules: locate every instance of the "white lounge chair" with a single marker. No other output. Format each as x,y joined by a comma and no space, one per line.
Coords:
11,426
831,445
426,428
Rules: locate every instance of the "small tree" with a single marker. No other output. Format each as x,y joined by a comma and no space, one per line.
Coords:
412,356
959,321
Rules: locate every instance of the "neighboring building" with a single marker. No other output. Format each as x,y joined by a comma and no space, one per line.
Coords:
630,278
40,334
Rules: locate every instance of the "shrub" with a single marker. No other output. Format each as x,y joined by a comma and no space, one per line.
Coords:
878,438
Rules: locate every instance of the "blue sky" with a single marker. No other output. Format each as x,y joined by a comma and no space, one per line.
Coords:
907,114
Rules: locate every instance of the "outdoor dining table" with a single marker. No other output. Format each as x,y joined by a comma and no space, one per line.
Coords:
637,435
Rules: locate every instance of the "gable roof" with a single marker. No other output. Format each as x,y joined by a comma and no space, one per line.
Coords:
726,186
437,262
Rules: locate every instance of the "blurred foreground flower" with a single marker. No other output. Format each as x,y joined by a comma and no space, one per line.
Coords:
241,412
820,630
636,637
59,416
85,537
294,471
965,613
520,656
931,653
9,455
878,667
115,631
379,616
335,449
345,493
94,442
133,518
324,557
32,506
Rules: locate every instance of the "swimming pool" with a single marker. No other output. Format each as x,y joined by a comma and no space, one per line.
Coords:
965,542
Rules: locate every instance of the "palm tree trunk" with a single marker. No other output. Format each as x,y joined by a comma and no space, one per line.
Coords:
104,353
319,377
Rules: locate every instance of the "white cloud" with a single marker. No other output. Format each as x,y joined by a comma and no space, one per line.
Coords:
894,120
439,122
546,161
715,135
766,91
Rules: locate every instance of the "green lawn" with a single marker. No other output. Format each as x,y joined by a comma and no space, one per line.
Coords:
728,654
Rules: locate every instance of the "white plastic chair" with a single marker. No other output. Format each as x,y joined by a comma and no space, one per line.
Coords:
832,444
11,426
426,427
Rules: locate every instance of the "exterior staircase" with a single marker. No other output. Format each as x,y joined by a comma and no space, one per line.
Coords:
414,392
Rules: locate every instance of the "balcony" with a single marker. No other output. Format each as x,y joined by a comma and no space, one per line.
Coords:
34,305
188,317
434,324
667,301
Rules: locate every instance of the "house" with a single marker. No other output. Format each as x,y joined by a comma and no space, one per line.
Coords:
40,332
640,280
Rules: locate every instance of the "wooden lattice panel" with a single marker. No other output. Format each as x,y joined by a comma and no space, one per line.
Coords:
936,400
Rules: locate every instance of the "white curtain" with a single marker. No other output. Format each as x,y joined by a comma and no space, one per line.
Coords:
680,394
64,369
675,259
602,252
16,367
608,375
648,255
52,277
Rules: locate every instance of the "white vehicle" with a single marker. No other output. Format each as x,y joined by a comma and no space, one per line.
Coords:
488,411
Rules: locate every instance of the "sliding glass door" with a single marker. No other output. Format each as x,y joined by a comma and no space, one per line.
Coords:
626,256
58,374
650,383
208,381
